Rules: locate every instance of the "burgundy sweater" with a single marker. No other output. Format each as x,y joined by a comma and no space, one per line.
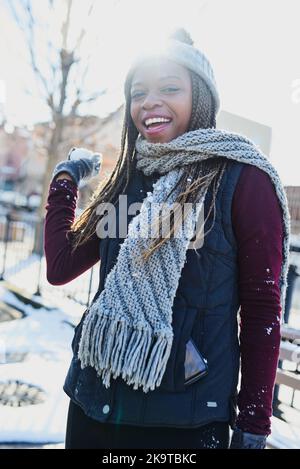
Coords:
258,226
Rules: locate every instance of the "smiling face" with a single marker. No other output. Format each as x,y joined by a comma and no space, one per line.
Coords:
162,90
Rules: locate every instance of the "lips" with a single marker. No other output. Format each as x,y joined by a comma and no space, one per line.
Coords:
153,116
157,129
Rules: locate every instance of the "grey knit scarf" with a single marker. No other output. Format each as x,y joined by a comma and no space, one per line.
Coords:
128,330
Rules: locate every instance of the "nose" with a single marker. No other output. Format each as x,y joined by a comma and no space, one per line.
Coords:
151,100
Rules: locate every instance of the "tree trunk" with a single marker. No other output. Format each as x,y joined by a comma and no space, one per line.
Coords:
52,160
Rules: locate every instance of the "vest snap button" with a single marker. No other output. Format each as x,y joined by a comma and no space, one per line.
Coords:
105,409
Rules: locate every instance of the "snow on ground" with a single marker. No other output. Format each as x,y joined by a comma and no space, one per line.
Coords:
24,269
44,336
284,436
38,423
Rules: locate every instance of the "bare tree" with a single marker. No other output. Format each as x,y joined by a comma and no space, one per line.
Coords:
55,83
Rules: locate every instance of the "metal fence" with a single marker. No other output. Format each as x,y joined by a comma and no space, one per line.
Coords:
24,265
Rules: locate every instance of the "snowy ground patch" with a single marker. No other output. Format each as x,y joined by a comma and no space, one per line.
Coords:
43,339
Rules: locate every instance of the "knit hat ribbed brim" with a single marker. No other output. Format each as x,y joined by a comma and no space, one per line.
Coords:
183,54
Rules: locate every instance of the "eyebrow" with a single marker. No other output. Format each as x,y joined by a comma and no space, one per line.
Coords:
162,78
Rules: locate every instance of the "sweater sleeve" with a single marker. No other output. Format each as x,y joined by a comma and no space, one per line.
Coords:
62,266
258,225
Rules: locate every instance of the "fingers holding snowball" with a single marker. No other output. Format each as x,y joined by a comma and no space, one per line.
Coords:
76,154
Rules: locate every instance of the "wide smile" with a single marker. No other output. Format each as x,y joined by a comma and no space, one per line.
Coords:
156,128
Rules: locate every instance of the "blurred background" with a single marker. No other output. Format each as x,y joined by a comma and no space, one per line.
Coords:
62,68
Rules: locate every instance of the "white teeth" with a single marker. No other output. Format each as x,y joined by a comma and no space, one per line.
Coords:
153,120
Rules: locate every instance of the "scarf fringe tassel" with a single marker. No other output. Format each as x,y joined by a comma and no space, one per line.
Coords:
114,347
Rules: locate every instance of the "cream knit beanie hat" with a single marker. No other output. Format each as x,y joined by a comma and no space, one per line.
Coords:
179,48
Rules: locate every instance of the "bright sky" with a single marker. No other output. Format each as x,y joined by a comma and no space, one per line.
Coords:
253,46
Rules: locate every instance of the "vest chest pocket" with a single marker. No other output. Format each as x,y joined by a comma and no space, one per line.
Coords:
184,318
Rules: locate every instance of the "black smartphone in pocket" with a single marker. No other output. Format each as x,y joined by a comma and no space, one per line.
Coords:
195,366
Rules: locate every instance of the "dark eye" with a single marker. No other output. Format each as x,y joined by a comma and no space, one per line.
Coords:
171,88
136,95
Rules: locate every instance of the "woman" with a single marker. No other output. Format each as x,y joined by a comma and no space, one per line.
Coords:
127,378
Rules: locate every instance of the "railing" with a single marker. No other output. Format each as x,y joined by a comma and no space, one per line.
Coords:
24,265
290,351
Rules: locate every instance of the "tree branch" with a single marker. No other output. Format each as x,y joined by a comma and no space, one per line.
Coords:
79,100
